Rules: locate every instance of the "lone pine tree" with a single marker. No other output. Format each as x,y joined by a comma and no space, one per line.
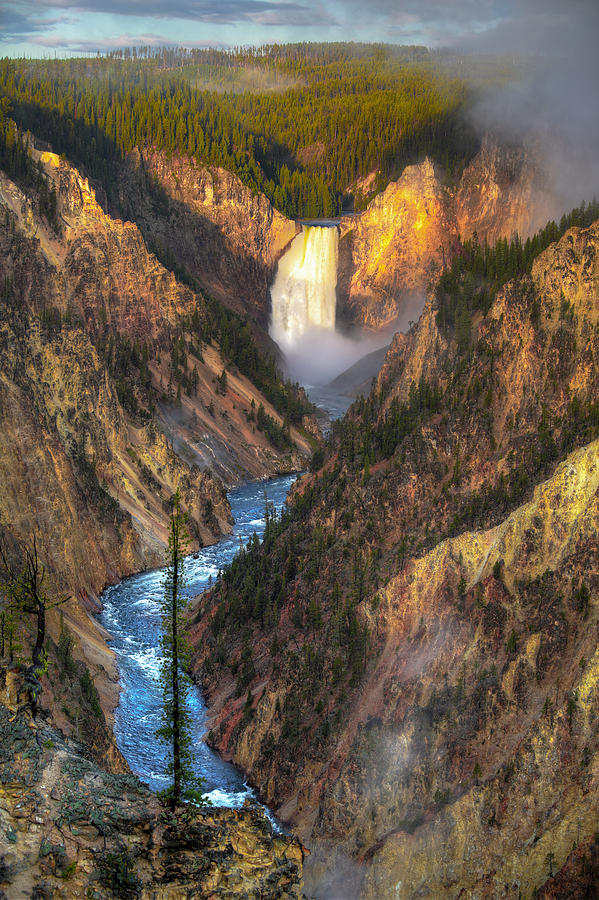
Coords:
176,721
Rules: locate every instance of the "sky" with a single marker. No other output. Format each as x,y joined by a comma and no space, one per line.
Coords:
44,28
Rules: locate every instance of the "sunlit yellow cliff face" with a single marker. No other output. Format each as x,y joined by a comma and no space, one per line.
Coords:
394,250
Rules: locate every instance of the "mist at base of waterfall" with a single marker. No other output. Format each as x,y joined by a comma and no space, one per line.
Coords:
303,313
320,354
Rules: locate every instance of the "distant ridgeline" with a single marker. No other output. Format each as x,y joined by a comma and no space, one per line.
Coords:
302,123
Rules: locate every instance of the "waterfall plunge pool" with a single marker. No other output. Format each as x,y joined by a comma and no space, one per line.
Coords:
131,614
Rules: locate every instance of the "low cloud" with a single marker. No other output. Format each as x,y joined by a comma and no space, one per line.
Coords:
555,108
223,12
52,41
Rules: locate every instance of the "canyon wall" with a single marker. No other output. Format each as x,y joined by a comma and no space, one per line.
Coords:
392,253
419,690
395,248
206,220
96,441
63,293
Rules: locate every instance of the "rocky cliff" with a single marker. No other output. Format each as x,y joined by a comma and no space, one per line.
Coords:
62,413
207,222
391,254
227,237
103,273
415,680
503,190
70,829
84,299
394,248
96,440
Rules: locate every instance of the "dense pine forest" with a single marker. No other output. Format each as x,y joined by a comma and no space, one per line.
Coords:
301,123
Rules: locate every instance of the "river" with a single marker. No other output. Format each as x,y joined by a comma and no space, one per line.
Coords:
132,616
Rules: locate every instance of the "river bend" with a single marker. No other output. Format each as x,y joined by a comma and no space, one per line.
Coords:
132,616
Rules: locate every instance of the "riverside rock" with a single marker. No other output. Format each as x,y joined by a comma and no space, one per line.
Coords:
71,829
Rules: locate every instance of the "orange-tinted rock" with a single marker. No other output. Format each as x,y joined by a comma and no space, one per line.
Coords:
71,829
394,250
225,235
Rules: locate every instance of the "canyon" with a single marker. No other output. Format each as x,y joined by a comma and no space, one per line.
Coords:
413,684
98,277
422,675
98,340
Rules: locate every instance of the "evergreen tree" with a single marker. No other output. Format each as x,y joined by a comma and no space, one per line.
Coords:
176,721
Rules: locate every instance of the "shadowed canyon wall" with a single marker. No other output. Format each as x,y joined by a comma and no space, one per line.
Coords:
211,224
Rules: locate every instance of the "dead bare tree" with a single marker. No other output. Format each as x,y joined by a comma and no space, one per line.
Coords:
23,584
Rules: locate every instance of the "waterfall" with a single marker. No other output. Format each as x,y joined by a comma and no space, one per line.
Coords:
303,293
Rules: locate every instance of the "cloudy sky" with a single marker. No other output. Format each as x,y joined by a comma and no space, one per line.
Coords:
62,27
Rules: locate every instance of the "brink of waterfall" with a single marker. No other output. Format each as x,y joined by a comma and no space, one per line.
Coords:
303,293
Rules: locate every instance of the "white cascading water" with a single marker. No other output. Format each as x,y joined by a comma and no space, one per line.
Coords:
303,310
303,293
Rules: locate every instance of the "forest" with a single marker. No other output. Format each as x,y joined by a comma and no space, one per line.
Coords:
479,271
302,123
16,160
